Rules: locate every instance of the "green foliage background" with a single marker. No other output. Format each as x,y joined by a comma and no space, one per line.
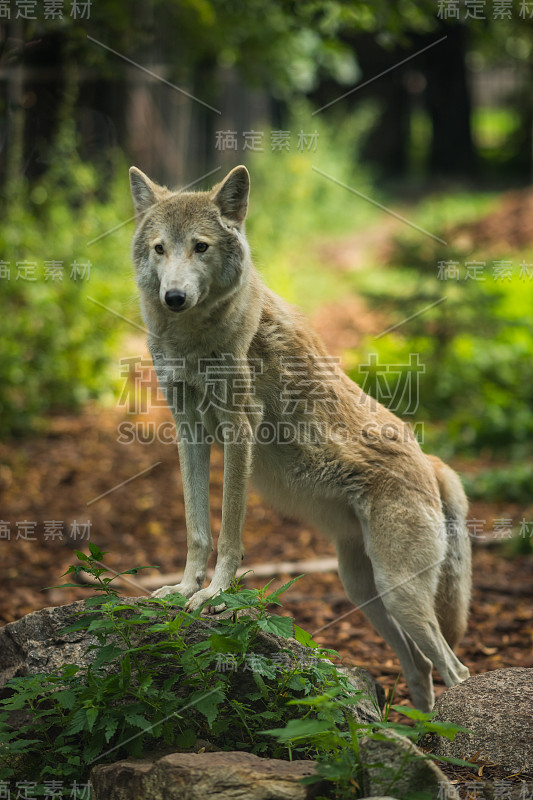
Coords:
60,349
57,344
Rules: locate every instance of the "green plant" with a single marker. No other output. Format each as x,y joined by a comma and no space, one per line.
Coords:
57,343
458,356
512,483
329,726
151,686
148,685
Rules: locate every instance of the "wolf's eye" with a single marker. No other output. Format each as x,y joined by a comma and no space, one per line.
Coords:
201,247
159,249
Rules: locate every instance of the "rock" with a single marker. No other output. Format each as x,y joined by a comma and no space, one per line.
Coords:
373,699
197,776
496,707
35,644
394,765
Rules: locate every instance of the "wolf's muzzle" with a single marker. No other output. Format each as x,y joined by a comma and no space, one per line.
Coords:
175,299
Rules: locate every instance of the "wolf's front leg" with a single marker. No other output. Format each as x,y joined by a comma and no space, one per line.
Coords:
237,466
194,463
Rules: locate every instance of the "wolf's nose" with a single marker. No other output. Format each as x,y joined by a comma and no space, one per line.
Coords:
174,299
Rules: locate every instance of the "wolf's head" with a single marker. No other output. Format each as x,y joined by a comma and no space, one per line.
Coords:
189,248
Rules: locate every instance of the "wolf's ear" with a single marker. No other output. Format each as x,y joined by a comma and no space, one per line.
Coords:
145,193
231,196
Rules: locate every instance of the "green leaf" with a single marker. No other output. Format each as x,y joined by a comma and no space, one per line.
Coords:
447,729
170,681
174,599
247,598
96,552
65,698
414,713
69,670
137,721
91,714
261,685
277,715
77,723
15,702
82,625
224,644
300,729
296,683
146,682
273,598
110,728
93,748
98,599
281,626
98,624
186,738
317,700
207,704
106,654
303,637
135,570
397,727
328,652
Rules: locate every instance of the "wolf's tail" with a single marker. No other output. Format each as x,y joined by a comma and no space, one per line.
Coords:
453,594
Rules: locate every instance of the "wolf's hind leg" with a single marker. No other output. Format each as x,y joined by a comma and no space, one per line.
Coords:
355,569
407,547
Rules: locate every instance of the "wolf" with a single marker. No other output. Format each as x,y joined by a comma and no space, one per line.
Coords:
241,368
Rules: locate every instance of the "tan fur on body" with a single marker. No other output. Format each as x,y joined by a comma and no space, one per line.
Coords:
354,470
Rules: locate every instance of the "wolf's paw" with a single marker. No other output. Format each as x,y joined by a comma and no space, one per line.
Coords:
187,590
199,598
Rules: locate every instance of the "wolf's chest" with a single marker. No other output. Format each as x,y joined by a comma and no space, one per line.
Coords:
204,391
